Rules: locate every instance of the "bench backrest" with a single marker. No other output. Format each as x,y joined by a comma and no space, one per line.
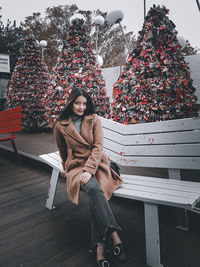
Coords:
10,120
167,144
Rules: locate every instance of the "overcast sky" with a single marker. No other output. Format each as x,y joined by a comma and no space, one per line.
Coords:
184,13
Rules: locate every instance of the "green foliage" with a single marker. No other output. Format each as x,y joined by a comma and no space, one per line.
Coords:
10,41
54,28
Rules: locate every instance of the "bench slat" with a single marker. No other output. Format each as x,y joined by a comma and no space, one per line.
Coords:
11,110
180,192
153,127
55,156
154,150
156,180
10,129
155,198
52,161
153,138
155,162
171,187
15,122
10,116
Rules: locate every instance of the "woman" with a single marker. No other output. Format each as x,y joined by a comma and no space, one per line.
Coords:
79,136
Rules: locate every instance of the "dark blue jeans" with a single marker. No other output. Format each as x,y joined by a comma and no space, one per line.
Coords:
102,219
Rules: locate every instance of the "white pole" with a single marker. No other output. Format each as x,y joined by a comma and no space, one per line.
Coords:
42,53
129,50
97,35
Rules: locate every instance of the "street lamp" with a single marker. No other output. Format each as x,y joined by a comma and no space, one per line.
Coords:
198,5
43,45
98,23
116,16
181,41
76,16
144,9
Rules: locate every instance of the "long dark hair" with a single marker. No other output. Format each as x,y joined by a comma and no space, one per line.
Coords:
68,109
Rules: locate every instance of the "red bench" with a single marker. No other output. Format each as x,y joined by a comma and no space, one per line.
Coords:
10,122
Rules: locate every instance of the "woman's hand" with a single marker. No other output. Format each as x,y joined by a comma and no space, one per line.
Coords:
84,178
63,173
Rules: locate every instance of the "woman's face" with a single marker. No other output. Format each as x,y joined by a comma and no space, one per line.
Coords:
80,105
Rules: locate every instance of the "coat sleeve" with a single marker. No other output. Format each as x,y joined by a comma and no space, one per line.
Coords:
94,159
61,144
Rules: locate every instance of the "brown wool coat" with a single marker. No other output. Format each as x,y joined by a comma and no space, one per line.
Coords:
84,152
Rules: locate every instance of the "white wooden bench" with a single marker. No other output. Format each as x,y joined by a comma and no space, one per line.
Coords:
174,145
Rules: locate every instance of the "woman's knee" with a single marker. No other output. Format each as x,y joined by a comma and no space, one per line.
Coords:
92,187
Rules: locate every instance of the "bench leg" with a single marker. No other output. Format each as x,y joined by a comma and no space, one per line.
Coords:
15,149
174,174
52,189
152,235
181,214
182,221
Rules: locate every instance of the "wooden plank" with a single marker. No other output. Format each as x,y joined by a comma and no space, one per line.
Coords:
153,127
156,189
155,162
10,117
10,111
179,187
155,198
149,139
134,178
15,122
154,150
52,157
11,129
52,162
55,156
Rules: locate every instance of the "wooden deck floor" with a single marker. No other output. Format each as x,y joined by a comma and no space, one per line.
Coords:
33,236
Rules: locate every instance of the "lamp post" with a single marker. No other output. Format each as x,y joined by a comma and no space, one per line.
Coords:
116,16
98,23
43,45
198,5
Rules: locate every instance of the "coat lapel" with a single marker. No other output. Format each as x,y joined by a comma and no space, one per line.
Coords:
85,129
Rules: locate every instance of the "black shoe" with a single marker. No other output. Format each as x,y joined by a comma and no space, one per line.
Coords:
119,252
103,263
